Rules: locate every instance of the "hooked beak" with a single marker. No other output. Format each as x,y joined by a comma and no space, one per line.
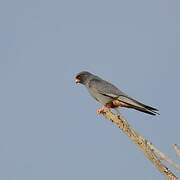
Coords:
77,81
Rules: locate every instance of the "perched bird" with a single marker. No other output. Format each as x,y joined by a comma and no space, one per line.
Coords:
109,95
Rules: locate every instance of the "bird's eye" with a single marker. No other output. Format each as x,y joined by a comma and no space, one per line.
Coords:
78,77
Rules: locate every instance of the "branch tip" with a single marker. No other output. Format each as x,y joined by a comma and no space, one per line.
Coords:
149,150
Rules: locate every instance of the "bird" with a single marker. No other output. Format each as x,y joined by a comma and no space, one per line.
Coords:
109,95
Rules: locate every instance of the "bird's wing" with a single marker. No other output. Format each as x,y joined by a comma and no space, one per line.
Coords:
109,90
105,88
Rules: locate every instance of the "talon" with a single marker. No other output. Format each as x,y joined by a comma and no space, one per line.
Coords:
101,110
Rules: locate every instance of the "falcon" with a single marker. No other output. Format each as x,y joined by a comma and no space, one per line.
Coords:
109,95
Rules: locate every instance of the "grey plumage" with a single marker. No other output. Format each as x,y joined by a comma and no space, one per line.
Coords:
106,93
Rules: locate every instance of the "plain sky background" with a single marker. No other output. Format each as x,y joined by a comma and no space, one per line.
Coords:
48,125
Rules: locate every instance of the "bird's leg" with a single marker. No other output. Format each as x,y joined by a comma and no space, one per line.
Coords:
102,109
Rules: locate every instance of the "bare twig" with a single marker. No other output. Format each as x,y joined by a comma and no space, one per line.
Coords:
177,149
164,157
152,153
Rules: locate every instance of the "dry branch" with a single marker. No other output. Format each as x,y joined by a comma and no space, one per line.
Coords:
177,149
152,153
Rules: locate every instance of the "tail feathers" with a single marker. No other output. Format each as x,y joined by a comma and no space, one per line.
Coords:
132,103
145,106
145,110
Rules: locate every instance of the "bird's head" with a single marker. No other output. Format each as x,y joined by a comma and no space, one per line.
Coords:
82,77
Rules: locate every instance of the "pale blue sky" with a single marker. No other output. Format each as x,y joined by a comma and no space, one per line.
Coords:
48,126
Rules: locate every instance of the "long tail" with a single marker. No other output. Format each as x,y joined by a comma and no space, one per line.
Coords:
132,103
